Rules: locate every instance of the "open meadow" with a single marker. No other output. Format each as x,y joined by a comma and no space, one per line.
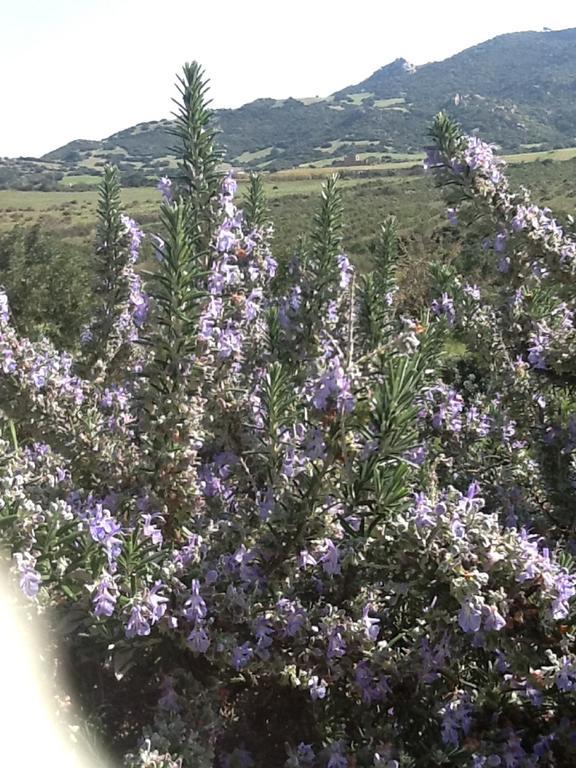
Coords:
369,193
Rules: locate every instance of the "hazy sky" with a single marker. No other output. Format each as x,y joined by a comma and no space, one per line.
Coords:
86,68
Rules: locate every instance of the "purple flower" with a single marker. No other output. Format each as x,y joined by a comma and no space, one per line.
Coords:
470,614
195,607
104,529
337,761
500,242
336,645
151,531
565,589
305,754
198,639
346,270
479,156
330,558
165,187
424,515
4,308
229,186
473,291
263,632
30,579
566,675
332,389
444,308
229,343
155,602
136,236
225,240
493,619
372,626
138,621
317,688
539,342
140,301
305,559
242,655
105,596
456,720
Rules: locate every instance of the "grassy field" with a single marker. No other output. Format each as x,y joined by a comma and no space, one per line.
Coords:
411,196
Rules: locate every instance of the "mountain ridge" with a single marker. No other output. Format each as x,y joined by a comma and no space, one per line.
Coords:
517,90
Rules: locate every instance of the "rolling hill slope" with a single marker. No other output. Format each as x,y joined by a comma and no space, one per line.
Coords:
518,90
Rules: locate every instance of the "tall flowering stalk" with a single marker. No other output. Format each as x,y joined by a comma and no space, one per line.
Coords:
121,306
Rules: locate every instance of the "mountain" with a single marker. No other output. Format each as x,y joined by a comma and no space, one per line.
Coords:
517,90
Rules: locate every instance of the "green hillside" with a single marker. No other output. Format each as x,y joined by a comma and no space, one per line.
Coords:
517,90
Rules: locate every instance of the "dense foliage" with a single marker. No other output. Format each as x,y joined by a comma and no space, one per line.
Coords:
48,283
269,525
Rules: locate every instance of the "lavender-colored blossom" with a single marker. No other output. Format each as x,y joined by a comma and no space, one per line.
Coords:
165,188
444,308
104,529
305,559
456,720
452,216
139,300
151,531
229,343
514,753
372,626
229,185
539,343
155,602
565,679
330,558
346,270
336,645
138,621
105,596
305,754
4,308
198,639
479,156
317,688
423,511
226,241
135,234
337,760
500,242
332,388
493,619
242,655
30,579
470,614
473,291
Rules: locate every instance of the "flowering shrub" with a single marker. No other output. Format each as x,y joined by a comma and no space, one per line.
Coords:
268,526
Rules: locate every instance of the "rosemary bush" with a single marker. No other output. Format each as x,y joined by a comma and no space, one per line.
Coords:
269,525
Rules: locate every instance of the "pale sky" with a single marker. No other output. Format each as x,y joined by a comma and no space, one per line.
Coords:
72,69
